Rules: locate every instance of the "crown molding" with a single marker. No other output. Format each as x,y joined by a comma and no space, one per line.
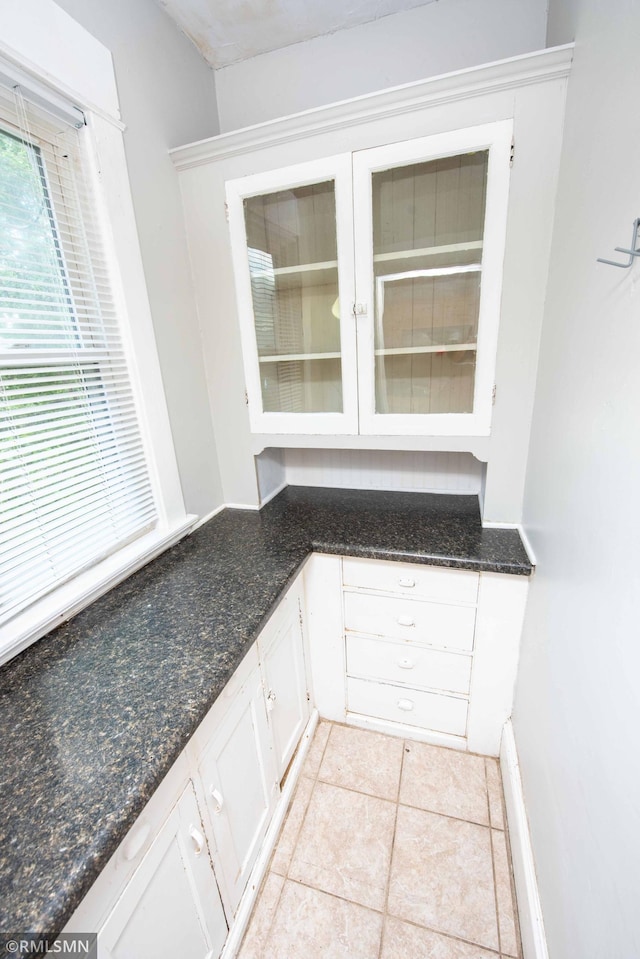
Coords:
530,68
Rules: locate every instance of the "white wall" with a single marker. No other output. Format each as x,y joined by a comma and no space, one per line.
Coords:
416,471
427,41
167,97
576,713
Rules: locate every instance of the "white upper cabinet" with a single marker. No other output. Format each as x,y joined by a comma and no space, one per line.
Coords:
292,246
369,286
430,223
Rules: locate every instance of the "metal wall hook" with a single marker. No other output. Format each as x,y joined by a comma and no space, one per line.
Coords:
631,253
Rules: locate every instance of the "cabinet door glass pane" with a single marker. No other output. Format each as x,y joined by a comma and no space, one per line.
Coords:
427,250
293,264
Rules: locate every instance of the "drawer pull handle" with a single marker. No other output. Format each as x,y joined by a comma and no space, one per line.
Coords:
405,704
198,839
405,621
405,663
217,799
406,581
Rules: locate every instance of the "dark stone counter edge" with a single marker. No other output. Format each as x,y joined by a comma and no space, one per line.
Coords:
427,559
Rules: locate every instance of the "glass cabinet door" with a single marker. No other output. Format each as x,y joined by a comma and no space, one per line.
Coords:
296,284
421,233
428,223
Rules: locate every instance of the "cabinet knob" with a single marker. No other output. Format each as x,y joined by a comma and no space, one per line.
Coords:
405,663
405,621
407,582
198,839
271,698
405,704
218,801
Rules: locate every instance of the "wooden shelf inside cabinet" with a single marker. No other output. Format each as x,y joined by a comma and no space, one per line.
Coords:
428,251
304,275
305,268
296,357
441,348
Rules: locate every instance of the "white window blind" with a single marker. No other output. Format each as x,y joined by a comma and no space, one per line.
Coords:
74,484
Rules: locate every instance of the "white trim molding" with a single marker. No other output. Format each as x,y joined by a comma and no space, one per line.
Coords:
534,943
520,71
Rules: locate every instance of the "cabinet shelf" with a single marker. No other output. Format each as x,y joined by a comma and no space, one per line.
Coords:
440,348
305,268
428,251
322,266
294,357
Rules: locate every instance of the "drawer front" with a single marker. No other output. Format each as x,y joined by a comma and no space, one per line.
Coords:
445,714
411,579
436,624
407,663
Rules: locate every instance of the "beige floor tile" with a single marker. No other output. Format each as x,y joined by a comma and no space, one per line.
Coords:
494,787
316,749
506,914
344,846
360,759
313,925
445,781
400,940
442,876
291,828
262,918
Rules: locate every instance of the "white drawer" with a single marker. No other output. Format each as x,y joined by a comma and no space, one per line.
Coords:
436,624
408,663
446,714
411,579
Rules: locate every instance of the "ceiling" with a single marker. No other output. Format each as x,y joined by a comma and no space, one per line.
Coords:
226,31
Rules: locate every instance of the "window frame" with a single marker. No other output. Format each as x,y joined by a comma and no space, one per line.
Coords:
107,171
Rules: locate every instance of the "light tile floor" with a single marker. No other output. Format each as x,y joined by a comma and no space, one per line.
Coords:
391,849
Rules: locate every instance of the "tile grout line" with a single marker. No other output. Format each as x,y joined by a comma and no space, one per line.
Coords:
255,909
385,907
449,935
316,780
284,878
304,816
384,911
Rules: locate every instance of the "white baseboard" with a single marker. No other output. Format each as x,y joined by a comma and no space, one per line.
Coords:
405,732
534,943
218,509
245,907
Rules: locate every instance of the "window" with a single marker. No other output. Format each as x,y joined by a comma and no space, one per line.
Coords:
74,482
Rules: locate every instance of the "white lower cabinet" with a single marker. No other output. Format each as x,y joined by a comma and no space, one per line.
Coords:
283,669
173,886
413,650
237,781
172,906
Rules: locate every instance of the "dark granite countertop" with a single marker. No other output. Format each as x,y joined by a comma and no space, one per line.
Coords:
93,715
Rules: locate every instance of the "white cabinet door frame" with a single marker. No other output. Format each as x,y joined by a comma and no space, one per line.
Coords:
497,139
338,169
285,685
238,786
172,905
